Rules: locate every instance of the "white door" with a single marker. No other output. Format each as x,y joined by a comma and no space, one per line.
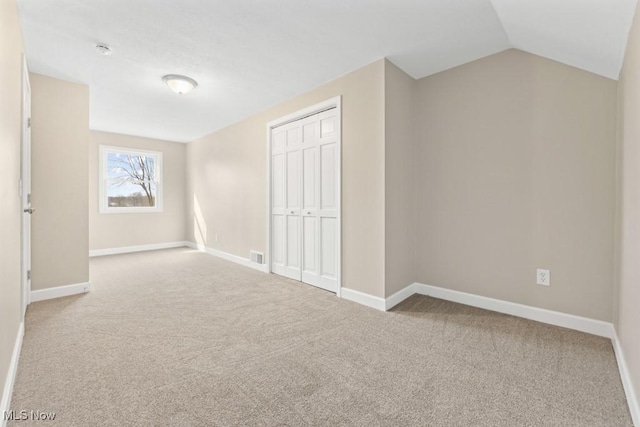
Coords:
25,191
305,200
320,234
286,201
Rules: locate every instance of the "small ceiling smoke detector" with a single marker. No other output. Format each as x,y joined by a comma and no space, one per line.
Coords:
180,84
103,49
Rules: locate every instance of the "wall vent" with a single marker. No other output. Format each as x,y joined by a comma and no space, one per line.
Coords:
257,257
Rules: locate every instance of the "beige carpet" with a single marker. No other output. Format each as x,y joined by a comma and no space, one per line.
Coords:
181,338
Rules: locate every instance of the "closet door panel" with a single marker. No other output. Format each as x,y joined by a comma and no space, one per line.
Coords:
293,182
329,248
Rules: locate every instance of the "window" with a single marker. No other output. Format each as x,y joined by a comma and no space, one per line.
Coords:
130,180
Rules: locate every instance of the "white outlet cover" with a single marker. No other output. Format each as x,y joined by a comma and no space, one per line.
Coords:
543,277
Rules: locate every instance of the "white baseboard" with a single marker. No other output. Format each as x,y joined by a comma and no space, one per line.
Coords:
245,262
60,291
627,383
7,390
570,321
140,248
362,298
400,296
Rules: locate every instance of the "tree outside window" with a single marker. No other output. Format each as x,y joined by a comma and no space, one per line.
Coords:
130,180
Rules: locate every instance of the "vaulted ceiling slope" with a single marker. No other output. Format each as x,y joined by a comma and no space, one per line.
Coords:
250,54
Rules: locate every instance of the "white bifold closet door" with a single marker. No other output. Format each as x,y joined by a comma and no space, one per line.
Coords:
304,217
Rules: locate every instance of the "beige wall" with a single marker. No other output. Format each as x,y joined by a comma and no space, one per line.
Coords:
227,179
132,229
516,171
11,49
628,311
400,164
60,192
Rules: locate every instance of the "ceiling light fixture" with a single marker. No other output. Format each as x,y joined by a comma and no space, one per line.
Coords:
180,84
103,49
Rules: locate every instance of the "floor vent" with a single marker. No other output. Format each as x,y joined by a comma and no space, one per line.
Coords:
257,257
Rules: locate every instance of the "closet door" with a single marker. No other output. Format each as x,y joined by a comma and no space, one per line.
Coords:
285,192
319,208
305,206
311,201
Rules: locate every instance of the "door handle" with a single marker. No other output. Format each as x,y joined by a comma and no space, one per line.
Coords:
29,211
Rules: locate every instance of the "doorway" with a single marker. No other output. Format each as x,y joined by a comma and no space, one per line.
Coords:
304,195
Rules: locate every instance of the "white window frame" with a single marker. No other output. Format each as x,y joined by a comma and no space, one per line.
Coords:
102,180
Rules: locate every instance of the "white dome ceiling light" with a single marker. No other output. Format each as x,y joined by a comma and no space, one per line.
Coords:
180,84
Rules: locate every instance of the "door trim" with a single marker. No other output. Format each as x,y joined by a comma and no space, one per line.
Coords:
335,102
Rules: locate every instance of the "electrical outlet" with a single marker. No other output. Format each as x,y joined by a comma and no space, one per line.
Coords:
216,237
543,277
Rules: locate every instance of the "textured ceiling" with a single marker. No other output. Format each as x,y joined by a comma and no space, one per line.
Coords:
250,54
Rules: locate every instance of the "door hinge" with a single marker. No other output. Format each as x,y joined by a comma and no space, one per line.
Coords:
28,274
29,198
29,122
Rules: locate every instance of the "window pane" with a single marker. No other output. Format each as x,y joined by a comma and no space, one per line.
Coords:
123,193
123,166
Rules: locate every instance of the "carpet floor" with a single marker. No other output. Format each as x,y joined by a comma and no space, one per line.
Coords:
181,338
